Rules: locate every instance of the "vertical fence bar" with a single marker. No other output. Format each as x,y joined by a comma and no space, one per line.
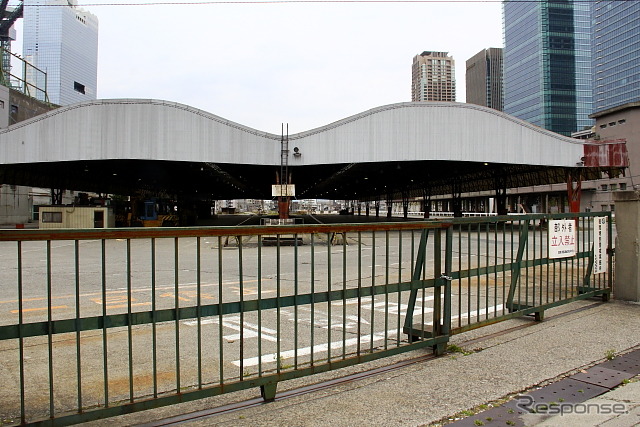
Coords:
199,308
359,329
344,299
478,265
295,299
241,286
540,251
486,274
154,316
533,270
373,288
495,272
23,419
220,301
50,330
278,295
423,276
104,322
76,259
545,253
129,321
469,269
504,262
437,290
459,229
329,297
386,293
448,262
399,320
313,292
259,305
526,261
176,305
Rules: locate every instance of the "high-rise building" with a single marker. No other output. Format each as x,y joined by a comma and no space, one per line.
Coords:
547,76
62,40
433,77
484,78
616,53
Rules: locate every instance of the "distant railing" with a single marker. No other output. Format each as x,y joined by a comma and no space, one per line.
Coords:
31,82
97,323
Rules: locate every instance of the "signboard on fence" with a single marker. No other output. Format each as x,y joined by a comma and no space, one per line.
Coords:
562,238
601,240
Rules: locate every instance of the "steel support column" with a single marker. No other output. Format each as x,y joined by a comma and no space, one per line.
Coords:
574,193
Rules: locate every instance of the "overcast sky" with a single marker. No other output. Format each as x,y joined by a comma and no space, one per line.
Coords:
308,64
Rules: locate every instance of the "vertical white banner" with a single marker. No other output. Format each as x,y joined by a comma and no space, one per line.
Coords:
562,238
601,240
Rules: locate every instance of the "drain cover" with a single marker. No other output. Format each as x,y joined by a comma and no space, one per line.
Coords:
567,390
635,355
624,364
602,377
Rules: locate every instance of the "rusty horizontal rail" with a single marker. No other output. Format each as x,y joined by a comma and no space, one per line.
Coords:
177,232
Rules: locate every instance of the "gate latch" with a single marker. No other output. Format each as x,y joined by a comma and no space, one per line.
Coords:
447,278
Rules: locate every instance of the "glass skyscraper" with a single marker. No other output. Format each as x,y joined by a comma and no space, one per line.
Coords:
62,40
547,56
616,53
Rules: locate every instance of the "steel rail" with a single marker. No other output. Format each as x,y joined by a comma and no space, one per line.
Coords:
300,391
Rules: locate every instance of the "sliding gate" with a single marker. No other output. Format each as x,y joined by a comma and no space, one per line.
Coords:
97,323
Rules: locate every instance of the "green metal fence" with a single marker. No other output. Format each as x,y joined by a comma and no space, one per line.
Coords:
97,323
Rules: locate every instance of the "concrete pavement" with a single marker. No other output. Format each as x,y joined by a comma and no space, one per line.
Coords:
498,363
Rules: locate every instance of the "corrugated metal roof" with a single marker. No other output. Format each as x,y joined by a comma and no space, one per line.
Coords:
432,143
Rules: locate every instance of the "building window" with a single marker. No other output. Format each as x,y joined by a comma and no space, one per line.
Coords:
622,121
78,87
2,104
613,208
52,217
14,109
602,126
612,123
614,187
604,187
603,208
623,186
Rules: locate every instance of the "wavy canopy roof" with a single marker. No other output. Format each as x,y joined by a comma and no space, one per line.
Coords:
132,145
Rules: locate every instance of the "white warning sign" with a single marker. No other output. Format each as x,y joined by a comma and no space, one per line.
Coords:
600,243
562,238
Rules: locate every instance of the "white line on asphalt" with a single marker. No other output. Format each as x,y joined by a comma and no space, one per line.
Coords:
249,330
305,351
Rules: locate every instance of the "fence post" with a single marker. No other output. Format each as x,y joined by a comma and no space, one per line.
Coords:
627,286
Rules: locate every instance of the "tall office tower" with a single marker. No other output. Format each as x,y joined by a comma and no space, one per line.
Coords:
547,77
616,53
433,77
62,40
484,78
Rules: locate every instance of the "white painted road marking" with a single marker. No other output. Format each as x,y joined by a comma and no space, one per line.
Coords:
364,339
